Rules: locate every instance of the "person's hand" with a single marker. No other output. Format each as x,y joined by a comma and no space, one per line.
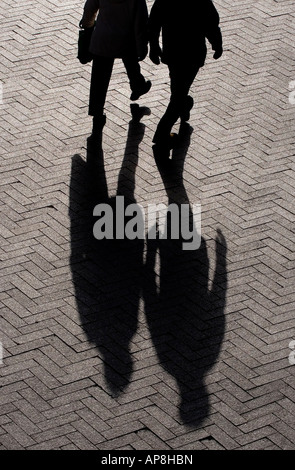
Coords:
155,54
218,53
87,23
87,26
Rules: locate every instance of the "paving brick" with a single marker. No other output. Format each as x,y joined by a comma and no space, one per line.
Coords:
157,428
88,431
9,442
51,444
18,434
222,438
119,442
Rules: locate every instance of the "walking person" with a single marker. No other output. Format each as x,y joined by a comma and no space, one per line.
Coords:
185,26
120,32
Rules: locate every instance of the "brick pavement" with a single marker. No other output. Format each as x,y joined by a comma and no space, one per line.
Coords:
141,345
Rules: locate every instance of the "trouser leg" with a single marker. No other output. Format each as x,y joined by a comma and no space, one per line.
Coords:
132,66
100,78
181,79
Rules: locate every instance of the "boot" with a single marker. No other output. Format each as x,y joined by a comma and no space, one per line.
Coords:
142,90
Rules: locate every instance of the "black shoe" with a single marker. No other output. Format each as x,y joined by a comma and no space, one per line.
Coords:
189,103
141,91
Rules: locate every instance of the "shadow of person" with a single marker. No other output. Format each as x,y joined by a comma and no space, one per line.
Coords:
106,271
185,316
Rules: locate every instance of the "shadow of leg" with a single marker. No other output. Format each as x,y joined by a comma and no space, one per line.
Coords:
106,272
185,318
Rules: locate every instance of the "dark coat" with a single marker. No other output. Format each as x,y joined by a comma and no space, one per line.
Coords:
121,27
185,25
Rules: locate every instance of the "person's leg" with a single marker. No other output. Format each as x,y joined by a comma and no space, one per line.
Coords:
181,79
100,78
139,86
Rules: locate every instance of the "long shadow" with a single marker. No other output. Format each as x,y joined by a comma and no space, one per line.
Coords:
185,317
106,273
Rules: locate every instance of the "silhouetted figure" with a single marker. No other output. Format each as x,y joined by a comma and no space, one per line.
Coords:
120,32
184,314
107,273
185,26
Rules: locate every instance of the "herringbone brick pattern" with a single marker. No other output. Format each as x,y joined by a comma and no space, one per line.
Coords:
139,344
